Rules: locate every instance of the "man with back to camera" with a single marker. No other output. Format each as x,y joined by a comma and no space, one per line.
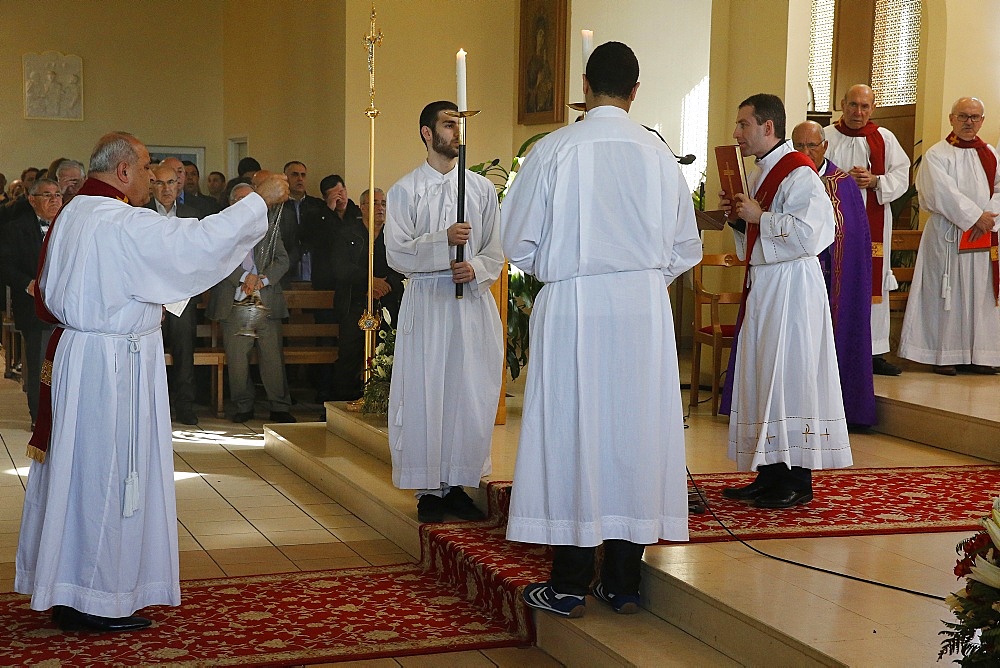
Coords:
449,352
601,452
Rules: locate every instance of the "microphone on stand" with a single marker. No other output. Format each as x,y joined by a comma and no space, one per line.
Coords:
686,160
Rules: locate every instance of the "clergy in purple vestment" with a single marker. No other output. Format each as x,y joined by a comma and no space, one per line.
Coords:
847,270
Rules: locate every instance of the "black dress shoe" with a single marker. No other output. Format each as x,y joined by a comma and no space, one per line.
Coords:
282,416
70,619
243,416
430,508
459,504
784,499
747,493
187,416
882,368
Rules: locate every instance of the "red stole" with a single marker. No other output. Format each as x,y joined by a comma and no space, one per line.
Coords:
875,211
38,444
765,197
989,163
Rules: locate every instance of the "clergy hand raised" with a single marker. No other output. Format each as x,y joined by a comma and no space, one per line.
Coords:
458,234
273,188
984,225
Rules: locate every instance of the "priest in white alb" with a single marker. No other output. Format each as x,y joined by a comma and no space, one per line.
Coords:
601,214
872,155
98,534
952,316
449,352
787,416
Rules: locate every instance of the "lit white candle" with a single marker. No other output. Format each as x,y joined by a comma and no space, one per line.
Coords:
587,39
460,77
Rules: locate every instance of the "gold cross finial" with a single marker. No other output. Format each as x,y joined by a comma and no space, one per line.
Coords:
372,39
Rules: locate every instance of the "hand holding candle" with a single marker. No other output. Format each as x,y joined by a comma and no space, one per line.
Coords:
460,77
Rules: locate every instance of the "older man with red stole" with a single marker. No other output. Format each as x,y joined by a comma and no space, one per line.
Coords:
952,316
98,534
877,163
847,269
787,413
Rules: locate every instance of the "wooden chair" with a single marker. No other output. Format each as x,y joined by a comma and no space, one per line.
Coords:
714,333
903,240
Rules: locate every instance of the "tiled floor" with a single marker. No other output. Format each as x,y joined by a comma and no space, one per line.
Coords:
239,512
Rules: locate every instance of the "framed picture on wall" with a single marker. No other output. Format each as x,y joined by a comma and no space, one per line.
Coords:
541,83
53,86
195,154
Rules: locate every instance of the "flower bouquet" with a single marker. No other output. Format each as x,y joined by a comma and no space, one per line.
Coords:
976,635
375,400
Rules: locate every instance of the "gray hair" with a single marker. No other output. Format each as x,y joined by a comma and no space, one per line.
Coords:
364,195
111,150
66,165
238,186
37,185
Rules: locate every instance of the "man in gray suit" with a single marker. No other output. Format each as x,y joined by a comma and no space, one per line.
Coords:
179,330
262,271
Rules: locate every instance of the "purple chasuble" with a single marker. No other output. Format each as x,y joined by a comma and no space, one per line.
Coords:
847,270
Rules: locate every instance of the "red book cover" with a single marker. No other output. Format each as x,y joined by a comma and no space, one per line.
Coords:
965,245
732,174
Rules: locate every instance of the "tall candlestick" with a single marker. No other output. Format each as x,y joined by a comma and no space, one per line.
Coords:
587,38
460,77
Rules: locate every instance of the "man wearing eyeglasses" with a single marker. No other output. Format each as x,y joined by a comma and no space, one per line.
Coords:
952,316
847,268
873,157
19,253
178,330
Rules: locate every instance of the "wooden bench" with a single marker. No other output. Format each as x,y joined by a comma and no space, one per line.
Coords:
903,240
302,339
302,335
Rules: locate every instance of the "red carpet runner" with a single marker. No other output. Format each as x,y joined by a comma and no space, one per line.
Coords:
301,618
855,502
364,613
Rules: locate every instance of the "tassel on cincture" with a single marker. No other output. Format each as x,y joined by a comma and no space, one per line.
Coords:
131,503
946,291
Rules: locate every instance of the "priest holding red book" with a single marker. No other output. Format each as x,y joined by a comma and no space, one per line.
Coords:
787,413
952,316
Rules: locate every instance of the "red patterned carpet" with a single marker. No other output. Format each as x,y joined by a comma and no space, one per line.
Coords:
464,593
854,502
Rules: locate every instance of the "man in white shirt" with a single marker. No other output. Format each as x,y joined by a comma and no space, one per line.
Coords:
449,352
601,214
879,165
952,316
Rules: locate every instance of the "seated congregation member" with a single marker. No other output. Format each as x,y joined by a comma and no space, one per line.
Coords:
180,330
260,272
787,414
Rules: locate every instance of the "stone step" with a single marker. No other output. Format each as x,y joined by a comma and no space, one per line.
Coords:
666,633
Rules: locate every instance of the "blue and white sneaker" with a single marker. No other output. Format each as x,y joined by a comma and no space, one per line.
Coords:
623,604
541,596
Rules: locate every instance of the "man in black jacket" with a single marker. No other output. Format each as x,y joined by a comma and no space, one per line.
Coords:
22,244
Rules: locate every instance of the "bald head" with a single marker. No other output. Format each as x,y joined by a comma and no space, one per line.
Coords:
178,167
165,185
858,105
808,137
966,117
